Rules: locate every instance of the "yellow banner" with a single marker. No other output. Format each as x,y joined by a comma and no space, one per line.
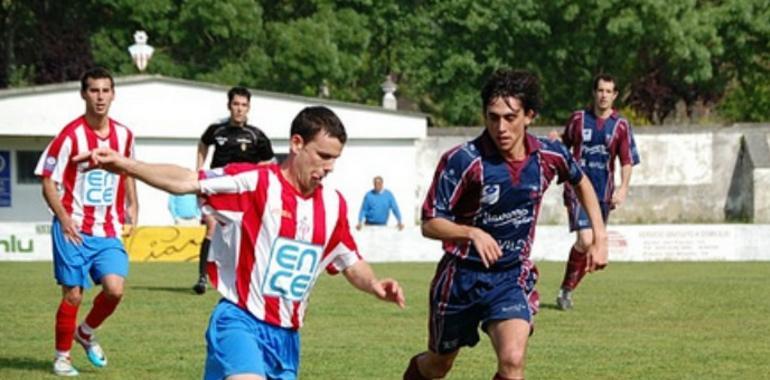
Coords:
164,243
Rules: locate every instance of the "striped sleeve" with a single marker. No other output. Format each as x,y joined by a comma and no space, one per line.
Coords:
54,159
341,244
561,162
228,189
455,175
129,144
627,151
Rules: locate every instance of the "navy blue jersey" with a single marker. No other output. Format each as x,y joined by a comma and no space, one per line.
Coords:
474,185
596,143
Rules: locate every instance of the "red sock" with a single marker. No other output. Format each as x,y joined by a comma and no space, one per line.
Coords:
103,308
576,269
66,320
413,372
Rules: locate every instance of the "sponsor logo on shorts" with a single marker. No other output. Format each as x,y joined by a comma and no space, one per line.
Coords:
517,308
449,345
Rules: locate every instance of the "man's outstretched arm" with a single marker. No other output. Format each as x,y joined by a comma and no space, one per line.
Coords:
171,178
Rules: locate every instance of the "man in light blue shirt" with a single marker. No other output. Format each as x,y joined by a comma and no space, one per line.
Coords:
377,205
184,209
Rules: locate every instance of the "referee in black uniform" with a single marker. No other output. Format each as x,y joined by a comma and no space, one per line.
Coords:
234,141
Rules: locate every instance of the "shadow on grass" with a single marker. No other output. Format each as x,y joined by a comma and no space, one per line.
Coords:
167,289
26,363
550,306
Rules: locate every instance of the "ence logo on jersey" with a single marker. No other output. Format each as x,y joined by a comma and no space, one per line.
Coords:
291,269
99,188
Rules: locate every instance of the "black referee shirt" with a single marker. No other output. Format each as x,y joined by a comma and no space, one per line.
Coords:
236,144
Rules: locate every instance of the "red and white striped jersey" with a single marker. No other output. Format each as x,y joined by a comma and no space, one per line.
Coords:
95,199
272,243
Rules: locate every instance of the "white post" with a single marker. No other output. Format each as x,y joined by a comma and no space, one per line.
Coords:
389,99
140,51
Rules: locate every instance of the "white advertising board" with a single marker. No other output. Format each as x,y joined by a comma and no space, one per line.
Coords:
672,242
25,241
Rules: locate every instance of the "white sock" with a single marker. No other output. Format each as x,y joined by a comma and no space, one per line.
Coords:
86,329
62,354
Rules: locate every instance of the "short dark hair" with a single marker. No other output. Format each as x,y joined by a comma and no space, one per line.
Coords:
312,120
606,78
95,73
519,84
240,91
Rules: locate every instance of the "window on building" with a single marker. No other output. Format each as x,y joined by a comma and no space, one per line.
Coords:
26,160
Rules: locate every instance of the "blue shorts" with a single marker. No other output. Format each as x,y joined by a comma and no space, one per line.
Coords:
239,343
95,257
463,297
578,218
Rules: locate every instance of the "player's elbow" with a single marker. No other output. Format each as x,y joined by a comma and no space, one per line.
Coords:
428,229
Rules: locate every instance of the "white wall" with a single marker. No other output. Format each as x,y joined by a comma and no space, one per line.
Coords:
168,116
165,107
360,161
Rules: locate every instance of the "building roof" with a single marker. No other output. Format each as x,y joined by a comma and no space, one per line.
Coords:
164,107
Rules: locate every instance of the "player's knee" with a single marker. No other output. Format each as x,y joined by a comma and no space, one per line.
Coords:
512,360
583,243
73,298
114,293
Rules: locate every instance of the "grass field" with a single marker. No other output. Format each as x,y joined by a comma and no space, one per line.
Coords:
635,321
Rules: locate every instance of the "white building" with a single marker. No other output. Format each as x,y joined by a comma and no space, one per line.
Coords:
168,116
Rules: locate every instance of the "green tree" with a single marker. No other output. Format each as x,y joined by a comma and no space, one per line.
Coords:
702,54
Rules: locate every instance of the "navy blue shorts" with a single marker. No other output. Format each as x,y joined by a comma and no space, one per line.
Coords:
463,297
578,218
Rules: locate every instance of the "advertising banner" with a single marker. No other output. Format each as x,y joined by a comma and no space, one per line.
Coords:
25,242
165,243
5,178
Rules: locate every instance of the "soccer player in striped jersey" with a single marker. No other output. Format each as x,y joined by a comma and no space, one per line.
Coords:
234,141
279,228
91,210
483,205
597,137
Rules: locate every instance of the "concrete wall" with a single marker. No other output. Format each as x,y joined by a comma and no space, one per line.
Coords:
686,175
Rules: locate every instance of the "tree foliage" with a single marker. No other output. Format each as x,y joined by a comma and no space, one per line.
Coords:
698,54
